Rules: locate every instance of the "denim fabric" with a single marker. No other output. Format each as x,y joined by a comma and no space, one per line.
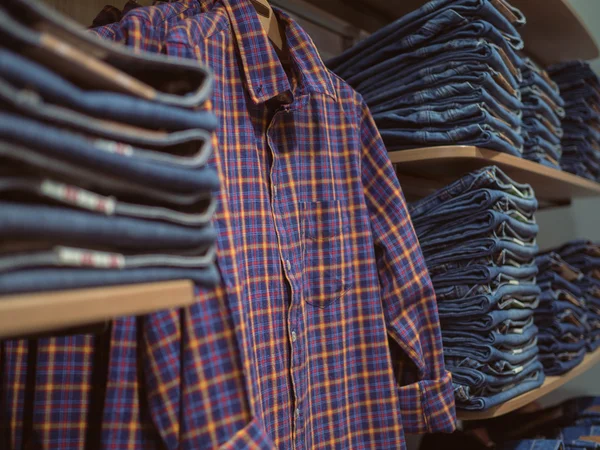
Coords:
60,279
24,73
353,59
492,276
500,251
563,289
497,369
32,189
560,363
512,338
478,239
23,158
490,320
535,127
446,261
483,58
524,296
571,69
468,105
582,409
582,109
78,150
542,158
534,104
578,90
534,379
494,293
475,135
450,122
584,262
402,89
579,246
482,29
416,72
552,303
77,228
533,76
446,120
470,50
479,381
576,167
550,344
188,148
532,444
490,177
537,144
48,256
447,92
486,224
474,202
169,81
491,355
574,437
468,381
503,45
560,320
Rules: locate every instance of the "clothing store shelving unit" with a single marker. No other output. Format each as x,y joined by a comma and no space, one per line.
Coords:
421,171
31,314
553,33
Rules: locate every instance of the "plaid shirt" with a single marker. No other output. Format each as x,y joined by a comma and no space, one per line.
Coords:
332,305
169,380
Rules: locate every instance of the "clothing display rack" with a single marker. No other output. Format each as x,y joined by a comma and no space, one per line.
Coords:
423,170
22,315
554,33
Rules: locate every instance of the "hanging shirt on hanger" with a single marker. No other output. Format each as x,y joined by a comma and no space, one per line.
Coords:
333,307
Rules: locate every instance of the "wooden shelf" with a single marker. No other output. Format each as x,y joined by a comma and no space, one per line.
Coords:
551,384
554,31
421,171
26,314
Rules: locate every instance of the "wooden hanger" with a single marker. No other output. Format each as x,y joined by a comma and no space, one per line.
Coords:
269,22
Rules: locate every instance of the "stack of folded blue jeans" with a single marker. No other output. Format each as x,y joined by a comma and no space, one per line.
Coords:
585,256
561,315
572,424
445,74
580,88
103,176
543,110
478,236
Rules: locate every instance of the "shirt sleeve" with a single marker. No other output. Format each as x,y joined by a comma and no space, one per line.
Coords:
408,299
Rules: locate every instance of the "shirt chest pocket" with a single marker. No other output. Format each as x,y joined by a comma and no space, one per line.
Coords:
327,263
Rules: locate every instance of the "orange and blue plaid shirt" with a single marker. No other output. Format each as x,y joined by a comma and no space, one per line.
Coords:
322,269
323,278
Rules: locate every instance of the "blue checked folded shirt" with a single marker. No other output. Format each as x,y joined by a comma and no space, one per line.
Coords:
328,296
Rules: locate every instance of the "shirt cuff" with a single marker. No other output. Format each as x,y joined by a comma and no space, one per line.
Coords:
428,406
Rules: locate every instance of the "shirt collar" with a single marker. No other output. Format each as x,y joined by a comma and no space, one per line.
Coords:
265,77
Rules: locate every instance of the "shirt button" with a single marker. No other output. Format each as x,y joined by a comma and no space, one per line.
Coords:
288,264
274,191
297,412
294,337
